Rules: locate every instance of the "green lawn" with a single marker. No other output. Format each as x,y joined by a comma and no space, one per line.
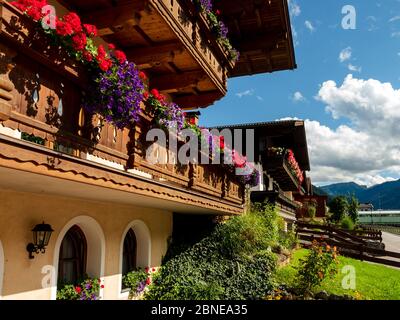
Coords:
373,282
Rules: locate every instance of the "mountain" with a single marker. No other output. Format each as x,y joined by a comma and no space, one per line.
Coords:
384,196
343,189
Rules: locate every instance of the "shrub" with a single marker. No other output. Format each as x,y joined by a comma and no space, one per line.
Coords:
320,263
338,208
233,263
347,223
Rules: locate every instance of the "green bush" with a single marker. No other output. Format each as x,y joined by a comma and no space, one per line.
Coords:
234,263
135,281
347,223
320,263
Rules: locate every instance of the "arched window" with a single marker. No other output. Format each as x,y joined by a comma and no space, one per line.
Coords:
72,259
129,262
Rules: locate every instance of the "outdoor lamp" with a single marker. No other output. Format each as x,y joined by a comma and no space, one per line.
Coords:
41,237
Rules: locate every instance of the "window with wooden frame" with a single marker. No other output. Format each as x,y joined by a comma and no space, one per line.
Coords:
129,253
73,256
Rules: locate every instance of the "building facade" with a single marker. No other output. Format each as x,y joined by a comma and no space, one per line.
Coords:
110,209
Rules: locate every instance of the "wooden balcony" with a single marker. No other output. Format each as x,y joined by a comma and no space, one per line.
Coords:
169,39
278,168
44,129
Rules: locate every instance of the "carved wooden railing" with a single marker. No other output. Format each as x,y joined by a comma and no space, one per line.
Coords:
194,31
41,92
279,169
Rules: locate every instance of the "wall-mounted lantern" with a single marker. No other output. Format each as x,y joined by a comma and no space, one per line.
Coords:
41,237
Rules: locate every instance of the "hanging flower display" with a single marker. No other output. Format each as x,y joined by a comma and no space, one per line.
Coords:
121,92
218,27
117,87
291,160
294,166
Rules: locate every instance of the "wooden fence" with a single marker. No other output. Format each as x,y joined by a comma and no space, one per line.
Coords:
365,246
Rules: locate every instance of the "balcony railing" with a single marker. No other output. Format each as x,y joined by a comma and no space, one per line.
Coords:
279,169
41,93
172,39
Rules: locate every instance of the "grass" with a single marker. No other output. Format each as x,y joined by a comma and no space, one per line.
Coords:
373,281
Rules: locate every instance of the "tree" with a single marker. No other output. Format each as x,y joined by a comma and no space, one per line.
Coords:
338,208
352,209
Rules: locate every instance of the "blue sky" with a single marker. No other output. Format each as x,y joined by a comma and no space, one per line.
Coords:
339,109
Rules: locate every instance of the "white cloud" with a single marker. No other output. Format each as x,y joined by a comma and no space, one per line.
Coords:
259,98
354,68
345,54
245,93
309,26
395,34
367,148
298,97
294,8
395,18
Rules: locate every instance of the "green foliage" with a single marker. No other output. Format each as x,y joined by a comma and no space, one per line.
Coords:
88,289
135,280
233,263
347,223
320,263
311,209
32,138
352,209
338,208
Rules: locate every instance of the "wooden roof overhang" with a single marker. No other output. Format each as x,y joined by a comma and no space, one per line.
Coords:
170,40
261,31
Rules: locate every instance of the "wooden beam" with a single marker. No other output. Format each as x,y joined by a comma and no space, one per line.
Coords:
177,81
198,101
116,17
148,57
261,41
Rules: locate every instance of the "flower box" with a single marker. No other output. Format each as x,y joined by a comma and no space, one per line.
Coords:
26,36
278,168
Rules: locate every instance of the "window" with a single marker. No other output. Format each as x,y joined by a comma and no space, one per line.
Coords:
130,252
72,260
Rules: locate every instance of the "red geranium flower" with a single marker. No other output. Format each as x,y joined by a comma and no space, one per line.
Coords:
105,64
146,269
78,290
74,21
90,29
142,75
101,52
155,93
222,142
79,41
111,46
192,120
18,5
146,95
121,57
35,13
148,281
87,56
102,286
63,28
